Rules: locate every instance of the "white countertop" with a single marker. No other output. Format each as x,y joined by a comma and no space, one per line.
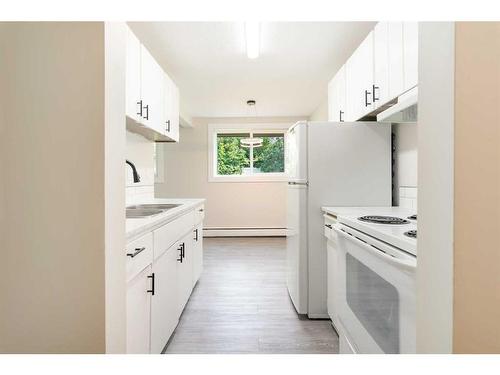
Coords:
139,226
391,234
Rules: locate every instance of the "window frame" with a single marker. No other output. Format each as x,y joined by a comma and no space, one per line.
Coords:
260,128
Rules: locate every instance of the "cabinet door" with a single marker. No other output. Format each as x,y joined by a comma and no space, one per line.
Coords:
133,77
395,50
341,93
151,92
337,97
185,272
171,108
197,253
175,96
360,80
138,312
164,310
380,90
410,54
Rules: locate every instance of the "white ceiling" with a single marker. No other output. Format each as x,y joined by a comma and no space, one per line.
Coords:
208,62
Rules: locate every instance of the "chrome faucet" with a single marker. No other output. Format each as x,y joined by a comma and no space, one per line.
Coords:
137,178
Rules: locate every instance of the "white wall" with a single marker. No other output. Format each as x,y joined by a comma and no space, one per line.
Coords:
321,112
114,150
406,168
229,204
435,187
139,151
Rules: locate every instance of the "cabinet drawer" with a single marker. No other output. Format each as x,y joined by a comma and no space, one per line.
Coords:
141,254
199,214
165,236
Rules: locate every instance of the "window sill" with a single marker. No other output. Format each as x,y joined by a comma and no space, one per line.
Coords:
271,178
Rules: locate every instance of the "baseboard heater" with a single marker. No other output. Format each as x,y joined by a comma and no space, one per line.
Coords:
244,232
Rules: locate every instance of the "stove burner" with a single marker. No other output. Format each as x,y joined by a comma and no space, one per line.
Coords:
383,220
411,233
412,217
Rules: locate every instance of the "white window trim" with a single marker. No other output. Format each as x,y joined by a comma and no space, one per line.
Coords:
214,129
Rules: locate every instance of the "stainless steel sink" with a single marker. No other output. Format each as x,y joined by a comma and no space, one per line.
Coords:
138,211
135,213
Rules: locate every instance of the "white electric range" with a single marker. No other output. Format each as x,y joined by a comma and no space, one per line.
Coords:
375,277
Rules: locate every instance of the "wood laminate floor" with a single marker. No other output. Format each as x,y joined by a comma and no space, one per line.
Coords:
241,304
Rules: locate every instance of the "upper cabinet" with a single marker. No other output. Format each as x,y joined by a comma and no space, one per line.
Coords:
359,75
133,106
337,92
152,98
410,54
382,68
170,114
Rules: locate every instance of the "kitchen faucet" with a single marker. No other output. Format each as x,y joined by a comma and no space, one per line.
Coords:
137,178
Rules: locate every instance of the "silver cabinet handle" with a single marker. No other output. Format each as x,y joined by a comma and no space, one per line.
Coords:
137,251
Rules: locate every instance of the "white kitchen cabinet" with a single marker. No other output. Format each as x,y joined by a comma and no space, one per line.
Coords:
395,53
138,312
152,98
380,90
185,271
163,266
337,96
359,76
151,92
170,113
133,104
388,62
164,311
197,252
410,54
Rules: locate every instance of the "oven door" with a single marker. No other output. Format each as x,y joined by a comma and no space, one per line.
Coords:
376,293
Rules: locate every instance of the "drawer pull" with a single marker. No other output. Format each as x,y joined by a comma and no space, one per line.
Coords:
328,226
201,210
152,290
137,251
181,249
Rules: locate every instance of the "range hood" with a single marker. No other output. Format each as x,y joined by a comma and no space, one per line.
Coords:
404,109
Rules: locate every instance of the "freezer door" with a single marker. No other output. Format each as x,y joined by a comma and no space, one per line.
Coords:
296,152
296,246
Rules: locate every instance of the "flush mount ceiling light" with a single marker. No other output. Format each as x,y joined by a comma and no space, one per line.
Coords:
251,142
252,36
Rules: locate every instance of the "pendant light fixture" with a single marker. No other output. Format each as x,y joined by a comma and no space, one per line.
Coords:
253,141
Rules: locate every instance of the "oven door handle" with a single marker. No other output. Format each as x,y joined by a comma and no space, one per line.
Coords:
410,265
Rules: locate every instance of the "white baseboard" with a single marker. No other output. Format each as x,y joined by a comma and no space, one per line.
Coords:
244,232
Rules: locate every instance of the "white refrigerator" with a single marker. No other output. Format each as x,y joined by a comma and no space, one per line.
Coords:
329,164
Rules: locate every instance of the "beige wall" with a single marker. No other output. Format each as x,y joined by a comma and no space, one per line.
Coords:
57,234
229,204
476,325
320,113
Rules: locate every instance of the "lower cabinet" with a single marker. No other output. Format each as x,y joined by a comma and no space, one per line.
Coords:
157,294
185,271
197,253
138,312
164,311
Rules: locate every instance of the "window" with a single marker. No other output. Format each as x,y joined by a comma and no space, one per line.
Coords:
238,153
